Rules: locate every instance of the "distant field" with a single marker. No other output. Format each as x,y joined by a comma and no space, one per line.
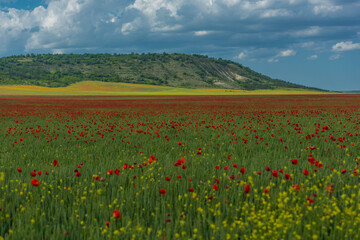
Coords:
106,88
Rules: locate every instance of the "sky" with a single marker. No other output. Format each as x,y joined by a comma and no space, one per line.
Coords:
310,42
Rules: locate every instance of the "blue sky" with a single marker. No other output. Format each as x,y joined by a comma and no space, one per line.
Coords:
311,42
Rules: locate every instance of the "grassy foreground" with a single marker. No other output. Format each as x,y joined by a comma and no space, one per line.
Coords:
181,167
105,88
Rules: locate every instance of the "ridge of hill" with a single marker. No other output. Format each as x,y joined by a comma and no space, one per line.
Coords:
175,70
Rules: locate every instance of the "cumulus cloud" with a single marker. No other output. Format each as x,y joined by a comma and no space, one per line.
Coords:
201,33
284,53
346,46
313,57
324,7
154,25
335,57
308,32
241,55
321,9
275,13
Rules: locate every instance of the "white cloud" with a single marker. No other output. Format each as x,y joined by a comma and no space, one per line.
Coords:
335,57
273,60
286,53
57,51
145,25
313,57
275,13
307,44
129,27
345,46
241,55
324,9
308,32
201,33
150,7
167,28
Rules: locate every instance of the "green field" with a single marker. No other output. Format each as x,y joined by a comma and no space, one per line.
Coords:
179,167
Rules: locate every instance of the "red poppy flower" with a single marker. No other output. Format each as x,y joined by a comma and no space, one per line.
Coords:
116,214
242,170
39,173
343,171
310,200
179,143
167,179
178,176
55,163
162,191
107,223
305,172
294,161
287,176
267,169
184,167
215,187
330,189
275,173
247,188
232,176
191,189
110,172
117,171
234,165
77,174
33,174
296,187
19,170
217,167
267,190
226,167
35,182
189,179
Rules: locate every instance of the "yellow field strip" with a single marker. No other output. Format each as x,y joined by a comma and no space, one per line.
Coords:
107,88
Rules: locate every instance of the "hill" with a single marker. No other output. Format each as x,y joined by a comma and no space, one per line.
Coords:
174,70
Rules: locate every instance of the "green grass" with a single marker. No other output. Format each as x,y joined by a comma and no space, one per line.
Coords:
95,135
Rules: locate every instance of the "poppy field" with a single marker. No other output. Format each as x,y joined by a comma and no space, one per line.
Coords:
180,167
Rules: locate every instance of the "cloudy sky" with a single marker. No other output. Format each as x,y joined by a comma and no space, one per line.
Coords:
310,42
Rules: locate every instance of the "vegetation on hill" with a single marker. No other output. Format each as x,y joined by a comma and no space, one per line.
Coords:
176,70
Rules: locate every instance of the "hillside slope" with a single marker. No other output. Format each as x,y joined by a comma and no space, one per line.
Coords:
175,70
